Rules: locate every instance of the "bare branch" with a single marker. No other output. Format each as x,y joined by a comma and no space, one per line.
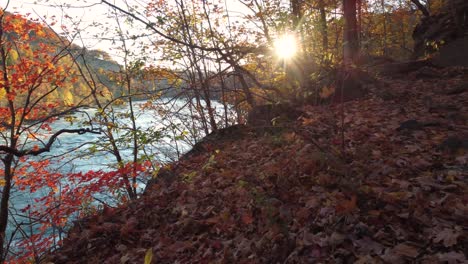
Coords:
46,148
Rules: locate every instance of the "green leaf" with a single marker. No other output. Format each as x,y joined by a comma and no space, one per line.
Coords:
149,256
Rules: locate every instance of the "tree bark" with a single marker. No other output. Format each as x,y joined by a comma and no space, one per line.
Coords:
351,40
323,26
8,174
297,15
384,39
421,7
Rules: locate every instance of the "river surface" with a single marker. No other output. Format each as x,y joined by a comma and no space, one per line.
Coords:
82,153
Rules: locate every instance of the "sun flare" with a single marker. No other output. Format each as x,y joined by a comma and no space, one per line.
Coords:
286,46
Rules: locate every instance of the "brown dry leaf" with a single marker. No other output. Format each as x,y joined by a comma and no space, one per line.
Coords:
367,259
376,153
368,245
308,239
290,137
327,91
413,148
448,236
247,219
308,121
406,250
346,206
124,259
336,239
463,159
312,202
178,246
264,200
452,257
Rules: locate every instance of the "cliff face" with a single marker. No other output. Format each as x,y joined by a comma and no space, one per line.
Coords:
444,34
383,183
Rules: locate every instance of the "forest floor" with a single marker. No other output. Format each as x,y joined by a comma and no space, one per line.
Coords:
397,192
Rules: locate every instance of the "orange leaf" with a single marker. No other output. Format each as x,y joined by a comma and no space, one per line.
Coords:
247,219
347,206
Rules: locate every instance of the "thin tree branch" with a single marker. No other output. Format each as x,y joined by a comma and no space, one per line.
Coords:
46,148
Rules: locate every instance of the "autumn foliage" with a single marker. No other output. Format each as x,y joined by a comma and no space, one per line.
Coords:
396,192
35,68
362,162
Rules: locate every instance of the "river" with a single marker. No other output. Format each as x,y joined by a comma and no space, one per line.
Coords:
167,136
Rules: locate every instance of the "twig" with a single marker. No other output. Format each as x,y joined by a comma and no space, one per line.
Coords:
48,145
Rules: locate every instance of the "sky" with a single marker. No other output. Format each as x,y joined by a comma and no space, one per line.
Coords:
86,13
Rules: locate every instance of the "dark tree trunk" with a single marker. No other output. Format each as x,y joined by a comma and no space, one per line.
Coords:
245,87
421,7
8,174
384,39
351,40
323,26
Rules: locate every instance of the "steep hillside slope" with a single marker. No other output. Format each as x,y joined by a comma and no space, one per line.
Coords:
40,40
397,192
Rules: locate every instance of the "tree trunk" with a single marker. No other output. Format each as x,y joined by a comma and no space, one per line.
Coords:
323,26
359,21
205,84
200,110
351,41
245,87
297,15
8,174
384,39
421,7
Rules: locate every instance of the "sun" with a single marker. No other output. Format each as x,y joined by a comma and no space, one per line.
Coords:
286,46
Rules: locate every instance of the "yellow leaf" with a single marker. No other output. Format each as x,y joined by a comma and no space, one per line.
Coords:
40,33
327,92
2,182
149,256
50,65
2,93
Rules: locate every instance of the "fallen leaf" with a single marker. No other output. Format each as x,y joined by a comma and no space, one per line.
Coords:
247,219
312,202
336,239
149,256
347,206
368,245
406,250
124,259
448,236
452,257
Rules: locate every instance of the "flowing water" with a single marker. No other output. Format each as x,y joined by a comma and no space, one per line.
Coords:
80,153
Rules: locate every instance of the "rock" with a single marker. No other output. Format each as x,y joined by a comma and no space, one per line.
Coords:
453,144
427,72
165,175
349,84
416,125
399,68
410,125
442,32
270,114
459,89
372,60
229,133
454,53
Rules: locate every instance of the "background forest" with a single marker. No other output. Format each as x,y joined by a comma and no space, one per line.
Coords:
197,67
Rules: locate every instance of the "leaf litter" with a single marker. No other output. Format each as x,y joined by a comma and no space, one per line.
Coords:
396,192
